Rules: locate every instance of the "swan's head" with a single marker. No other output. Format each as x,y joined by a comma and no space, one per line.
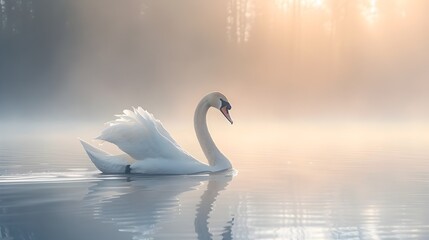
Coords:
219,101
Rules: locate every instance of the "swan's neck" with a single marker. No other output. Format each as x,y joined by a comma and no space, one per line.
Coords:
214,156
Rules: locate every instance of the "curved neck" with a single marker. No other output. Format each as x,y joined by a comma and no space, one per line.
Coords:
214,156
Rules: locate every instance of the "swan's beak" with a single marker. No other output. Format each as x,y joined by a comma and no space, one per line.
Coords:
225,112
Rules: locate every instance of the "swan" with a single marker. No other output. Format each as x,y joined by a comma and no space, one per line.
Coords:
153,151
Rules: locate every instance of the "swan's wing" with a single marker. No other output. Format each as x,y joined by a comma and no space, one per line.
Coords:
158,125
139,134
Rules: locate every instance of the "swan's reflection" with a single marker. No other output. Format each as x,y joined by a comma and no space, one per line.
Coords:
143,206
216,184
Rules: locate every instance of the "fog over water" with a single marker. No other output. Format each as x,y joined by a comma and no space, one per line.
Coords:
277,60
329,100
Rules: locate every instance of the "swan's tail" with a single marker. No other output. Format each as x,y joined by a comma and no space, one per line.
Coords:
104,161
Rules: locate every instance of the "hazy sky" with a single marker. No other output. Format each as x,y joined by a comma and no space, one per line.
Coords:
278,59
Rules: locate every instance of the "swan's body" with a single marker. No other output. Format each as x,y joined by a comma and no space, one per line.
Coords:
143,138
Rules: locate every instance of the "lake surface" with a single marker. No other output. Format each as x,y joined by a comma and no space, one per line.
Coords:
305,62
366,188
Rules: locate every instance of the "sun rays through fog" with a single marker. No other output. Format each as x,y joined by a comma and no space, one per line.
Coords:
361,59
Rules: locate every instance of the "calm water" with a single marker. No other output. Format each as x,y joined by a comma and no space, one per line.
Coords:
83,60
371,189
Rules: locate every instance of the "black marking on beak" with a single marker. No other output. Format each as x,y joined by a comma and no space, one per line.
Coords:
225,107
225,104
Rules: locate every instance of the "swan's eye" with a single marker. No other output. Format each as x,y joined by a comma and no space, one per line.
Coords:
225,104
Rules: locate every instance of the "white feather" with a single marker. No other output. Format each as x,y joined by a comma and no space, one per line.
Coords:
139,134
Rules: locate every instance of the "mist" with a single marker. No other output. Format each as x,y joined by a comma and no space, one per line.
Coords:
276,60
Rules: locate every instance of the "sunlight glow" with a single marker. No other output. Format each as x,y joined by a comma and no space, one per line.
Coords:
241,15
285,5
303,15
370,10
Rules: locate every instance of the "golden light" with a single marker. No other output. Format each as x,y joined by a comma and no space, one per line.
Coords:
285,5
370,10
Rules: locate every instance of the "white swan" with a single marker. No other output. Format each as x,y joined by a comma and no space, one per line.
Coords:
144,139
